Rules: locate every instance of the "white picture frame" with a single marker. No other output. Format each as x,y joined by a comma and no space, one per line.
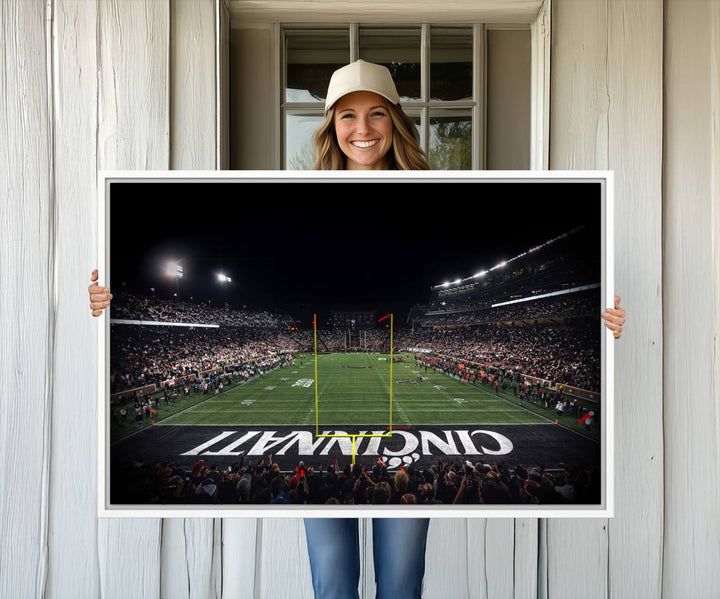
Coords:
349,182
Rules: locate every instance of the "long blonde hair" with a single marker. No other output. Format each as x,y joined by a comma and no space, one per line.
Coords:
405,154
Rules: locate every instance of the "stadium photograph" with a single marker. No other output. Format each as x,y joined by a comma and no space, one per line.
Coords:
384,344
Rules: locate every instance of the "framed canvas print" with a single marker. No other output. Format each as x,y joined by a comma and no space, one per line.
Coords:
336,344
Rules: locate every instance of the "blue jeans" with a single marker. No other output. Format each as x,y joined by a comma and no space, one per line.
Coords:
398,555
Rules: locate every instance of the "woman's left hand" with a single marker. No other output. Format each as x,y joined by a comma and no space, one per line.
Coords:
615,318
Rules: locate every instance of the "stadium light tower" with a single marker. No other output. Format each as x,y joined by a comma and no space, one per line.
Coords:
173,269
224,279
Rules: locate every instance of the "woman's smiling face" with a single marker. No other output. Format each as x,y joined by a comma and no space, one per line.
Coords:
364,130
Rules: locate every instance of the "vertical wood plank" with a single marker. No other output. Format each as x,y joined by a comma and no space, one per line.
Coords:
187,559
27,310
579,140
579,98
635,90
491,544
239,558
577,558
715,195
133,130
133,127
282,567
526,558
477,563
500,557
192,85
73,569
692,397
447,560
129,557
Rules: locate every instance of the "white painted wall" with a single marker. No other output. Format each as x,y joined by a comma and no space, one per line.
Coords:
88,85
508,100
254,126
607,113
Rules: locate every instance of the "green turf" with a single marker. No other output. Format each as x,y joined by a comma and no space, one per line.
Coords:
350,394
122,428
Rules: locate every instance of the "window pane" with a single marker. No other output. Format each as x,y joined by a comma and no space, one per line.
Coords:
450,139
311,58
451,63
415,116
399,51
299,150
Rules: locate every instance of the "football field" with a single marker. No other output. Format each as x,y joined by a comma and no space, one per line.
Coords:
355,390
348,416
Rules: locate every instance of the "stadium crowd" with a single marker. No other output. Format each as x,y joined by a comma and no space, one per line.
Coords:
134,307
566,306
561,355
152,355
143,355
264,482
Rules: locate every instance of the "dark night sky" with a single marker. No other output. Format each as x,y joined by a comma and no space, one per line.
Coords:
312,246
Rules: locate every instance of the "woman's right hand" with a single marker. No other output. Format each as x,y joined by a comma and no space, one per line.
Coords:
99,296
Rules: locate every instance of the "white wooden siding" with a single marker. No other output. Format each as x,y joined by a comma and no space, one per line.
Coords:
73,567
93,85
691,304
27,211
606,113
635,117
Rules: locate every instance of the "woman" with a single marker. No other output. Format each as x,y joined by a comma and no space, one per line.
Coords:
365,128
364,122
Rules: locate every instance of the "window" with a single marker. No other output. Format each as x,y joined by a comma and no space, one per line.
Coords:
468,87
438,70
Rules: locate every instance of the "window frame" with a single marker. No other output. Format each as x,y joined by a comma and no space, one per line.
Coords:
423,107
540,29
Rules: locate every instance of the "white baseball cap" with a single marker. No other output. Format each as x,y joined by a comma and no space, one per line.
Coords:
361,76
